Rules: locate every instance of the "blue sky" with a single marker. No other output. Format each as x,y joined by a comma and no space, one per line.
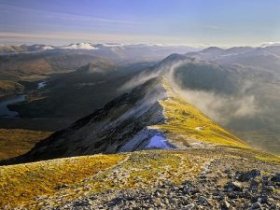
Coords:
189,22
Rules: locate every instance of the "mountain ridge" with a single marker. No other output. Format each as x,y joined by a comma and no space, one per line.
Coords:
199,163
150,116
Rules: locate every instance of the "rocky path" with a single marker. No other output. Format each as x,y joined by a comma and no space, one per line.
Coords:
227,183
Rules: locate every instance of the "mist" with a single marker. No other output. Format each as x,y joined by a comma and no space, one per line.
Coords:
247,111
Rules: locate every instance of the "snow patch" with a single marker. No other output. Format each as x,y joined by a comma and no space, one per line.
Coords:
230,54
269,44
81,46
47,47
114,45
159,142
146,139
41,85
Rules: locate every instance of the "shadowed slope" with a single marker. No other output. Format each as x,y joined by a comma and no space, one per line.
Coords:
151,116
107,130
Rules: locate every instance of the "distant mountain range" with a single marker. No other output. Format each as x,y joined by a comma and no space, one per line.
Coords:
12,49
102,48
23,61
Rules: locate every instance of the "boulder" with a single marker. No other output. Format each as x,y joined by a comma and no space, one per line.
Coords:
246,176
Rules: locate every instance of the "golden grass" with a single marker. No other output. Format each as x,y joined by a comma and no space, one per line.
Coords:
7,84
268,158
147,169
153,167
9,87
20,184
186,122
28,185
263,156
14,142
183,119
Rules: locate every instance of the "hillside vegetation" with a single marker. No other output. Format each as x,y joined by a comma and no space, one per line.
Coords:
20,140
9,88
187,124
22,183
64,182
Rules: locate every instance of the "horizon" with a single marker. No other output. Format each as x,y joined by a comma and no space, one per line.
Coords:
201,47
191,23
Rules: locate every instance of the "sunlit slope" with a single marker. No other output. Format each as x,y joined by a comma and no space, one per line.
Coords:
186,124
31,184
21,183
9,88
53,183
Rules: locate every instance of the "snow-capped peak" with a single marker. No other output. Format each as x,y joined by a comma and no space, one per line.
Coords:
82,46
269,44
47,47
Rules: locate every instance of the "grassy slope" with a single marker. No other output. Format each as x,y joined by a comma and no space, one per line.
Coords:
22,68
9,87
20,140
186,123
182,122
71,177
36,184
21,183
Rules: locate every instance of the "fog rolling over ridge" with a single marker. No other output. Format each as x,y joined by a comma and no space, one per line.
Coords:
240,98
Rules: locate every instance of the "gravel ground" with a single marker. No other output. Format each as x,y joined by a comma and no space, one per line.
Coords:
223,184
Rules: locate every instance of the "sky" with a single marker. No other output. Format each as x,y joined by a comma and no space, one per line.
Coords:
174,22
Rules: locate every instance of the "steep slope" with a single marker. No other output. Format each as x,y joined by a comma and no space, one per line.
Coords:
238,88
186,124
152,115
107,130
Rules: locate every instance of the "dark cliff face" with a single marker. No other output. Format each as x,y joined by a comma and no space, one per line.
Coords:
107,130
